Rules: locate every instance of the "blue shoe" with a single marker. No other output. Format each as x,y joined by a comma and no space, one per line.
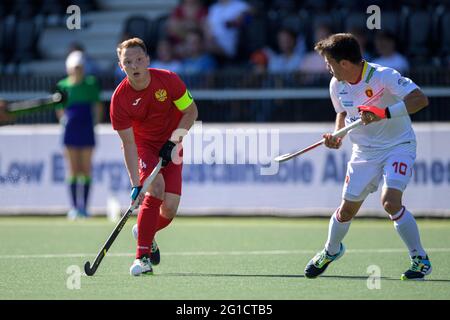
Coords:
420,267
83,213
317,265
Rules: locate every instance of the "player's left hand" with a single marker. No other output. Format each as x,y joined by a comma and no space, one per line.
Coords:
136,193
166,152
371,114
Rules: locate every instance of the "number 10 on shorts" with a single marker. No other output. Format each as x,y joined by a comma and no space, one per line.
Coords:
400,167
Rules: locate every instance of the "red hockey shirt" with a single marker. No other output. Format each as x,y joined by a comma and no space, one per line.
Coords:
154,112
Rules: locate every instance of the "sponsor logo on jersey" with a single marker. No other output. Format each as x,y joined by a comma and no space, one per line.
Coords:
161,95
369,92
142,165
135,103
347,103
343,91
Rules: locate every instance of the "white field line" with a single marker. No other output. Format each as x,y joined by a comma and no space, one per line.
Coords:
213,253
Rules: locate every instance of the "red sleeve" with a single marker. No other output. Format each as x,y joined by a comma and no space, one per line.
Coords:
120,119
176,86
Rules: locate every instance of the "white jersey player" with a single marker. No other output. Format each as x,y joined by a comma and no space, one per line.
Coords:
384,148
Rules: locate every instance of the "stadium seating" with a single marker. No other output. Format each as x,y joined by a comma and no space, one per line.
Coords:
3,47
418,30
105,20
444,31
34,42
138,26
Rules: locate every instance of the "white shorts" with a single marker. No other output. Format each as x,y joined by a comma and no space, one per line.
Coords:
365,171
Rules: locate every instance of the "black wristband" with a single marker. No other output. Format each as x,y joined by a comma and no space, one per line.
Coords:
388,113
166,152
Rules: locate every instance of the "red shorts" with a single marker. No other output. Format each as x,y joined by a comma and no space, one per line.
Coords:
172,173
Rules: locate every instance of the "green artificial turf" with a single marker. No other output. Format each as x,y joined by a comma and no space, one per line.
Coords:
216,258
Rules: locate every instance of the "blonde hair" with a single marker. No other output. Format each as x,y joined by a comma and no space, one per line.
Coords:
131,43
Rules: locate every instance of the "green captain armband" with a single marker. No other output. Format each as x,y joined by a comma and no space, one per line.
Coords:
185,101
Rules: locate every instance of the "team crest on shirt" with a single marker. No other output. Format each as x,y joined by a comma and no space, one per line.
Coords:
369,92
161,95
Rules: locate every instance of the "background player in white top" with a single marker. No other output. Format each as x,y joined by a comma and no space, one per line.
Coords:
384,148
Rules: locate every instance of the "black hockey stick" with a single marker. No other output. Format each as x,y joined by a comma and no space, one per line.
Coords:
101,254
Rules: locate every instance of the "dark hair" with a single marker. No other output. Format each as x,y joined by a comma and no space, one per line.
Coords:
289,31
340,46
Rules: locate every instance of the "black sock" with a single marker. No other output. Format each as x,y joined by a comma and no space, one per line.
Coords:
73,191
86,183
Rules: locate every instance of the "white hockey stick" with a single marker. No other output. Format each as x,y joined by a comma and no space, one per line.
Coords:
339,133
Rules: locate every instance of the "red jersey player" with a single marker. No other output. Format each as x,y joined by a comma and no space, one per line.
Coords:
151,109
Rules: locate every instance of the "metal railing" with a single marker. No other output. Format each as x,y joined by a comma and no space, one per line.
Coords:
243,96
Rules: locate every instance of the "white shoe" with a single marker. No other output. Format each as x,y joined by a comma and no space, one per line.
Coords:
155,256
141,266
73,214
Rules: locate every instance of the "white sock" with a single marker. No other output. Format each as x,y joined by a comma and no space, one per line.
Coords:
406,226
336,233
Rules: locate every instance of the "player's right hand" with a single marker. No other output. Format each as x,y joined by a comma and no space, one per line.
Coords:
166,152
135,192
332,143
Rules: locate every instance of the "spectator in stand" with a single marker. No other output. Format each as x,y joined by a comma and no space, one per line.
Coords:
91,67
385,45
196,59
188,15
361,35
313,62
288,59
259,61
225,18
165,57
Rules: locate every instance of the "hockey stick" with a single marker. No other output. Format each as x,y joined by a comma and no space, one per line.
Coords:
101,254
339,133
27,105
